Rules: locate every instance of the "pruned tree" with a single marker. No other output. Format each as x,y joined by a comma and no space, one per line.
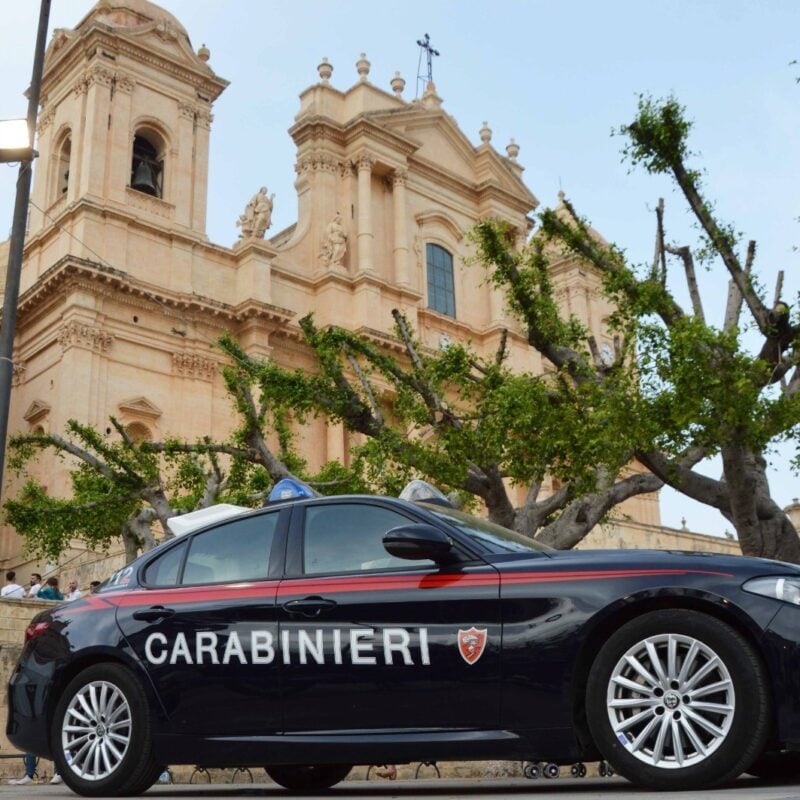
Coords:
700,391
471,424
122,488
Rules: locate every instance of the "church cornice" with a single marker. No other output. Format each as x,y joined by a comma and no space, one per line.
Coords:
316,127
105,45
62,213
70,268
477,193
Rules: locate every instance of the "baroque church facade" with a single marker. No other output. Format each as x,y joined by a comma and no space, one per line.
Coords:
386,189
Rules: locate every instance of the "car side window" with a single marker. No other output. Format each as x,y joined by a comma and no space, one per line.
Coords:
164,570
235,551
348,537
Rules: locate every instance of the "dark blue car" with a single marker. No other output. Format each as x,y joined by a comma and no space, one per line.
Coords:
316,634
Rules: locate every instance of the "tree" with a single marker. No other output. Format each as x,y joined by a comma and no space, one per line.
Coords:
470,424
700,391
121,488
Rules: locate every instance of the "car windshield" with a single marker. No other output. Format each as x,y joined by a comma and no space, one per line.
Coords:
492,538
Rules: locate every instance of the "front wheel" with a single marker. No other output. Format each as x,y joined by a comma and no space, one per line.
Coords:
309,777
678,700
101,735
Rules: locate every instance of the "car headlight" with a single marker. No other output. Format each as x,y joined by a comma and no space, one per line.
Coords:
781,588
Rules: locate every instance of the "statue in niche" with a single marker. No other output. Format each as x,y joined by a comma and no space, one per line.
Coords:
257,216
334,243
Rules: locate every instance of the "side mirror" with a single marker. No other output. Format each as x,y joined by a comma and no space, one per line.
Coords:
417,542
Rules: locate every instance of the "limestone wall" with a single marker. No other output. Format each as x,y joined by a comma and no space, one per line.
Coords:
631,535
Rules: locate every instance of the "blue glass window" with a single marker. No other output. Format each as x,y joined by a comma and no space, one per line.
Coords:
441,294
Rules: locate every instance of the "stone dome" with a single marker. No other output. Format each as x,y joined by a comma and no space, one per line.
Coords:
131,14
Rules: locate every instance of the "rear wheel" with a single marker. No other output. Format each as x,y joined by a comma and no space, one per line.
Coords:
309,777
678,700
101,734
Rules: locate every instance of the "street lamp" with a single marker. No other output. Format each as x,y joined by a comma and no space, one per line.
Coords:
22,151
15,141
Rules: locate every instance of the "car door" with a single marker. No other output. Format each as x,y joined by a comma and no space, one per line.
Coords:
370,641
204,626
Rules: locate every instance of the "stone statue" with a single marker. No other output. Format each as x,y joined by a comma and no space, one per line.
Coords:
334,243
257,216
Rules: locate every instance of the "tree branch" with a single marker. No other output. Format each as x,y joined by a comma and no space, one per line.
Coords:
722,245
685,255
365,384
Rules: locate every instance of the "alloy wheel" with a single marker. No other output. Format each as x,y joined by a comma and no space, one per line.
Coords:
671,701
96,731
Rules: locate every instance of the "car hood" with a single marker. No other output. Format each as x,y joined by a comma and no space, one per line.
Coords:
644,559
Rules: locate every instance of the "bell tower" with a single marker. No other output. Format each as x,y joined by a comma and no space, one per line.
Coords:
125,121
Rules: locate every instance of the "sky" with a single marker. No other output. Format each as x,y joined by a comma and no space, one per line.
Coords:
557,77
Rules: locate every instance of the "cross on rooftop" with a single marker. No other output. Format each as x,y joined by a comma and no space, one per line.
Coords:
430,52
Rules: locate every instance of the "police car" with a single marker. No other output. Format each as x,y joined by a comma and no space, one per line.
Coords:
319,633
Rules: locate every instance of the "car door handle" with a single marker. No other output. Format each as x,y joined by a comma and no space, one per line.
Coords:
309,606
153,613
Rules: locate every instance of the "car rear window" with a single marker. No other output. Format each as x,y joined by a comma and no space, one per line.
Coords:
235,551
164,570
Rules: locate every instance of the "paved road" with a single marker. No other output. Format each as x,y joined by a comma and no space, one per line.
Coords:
561,789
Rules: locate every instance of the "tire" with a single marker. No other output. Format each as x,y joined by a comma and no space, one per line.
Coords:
701,685
776,767
115,696
310,777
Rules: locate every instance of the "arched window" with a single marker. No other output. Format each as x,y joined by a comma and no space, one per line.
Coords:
62,172
441,294
139,432
147,164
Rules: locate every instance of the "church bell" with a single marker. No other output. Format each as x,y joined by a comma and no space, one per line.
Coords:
143,179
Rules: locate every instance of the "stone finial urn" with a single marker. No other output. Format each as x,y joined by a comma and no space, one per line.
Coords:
203,53
325,69
485,133
362,66
398,83
512,150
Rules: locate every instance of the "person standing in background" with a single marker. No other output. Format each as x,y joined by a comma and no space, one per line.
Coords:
12,588
36,584
73,592
50,591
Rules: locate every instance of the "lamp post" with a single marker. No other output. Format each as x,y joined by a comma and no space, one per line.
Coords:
25,154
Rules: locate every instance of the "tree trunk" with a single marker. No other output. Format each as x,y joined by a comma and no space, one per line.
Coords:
763,528
580,516
131,543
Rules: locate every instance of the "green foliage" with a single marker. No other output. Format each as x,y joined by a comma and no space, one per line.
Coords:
94,515
658,137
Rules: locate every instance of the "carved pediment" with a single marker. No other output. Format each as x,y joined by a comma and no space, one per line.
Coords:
437,217
37,410
140,407
443,143
440,139
495,170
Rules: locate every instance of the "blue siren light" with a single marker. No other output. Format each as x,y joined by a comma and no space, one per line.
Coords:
290,489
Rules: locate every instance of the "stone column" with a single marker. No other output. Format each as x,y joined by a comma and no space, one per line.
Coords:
496,305
95,135
201,140
364,166
120,145
183,165
401,274
334,445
